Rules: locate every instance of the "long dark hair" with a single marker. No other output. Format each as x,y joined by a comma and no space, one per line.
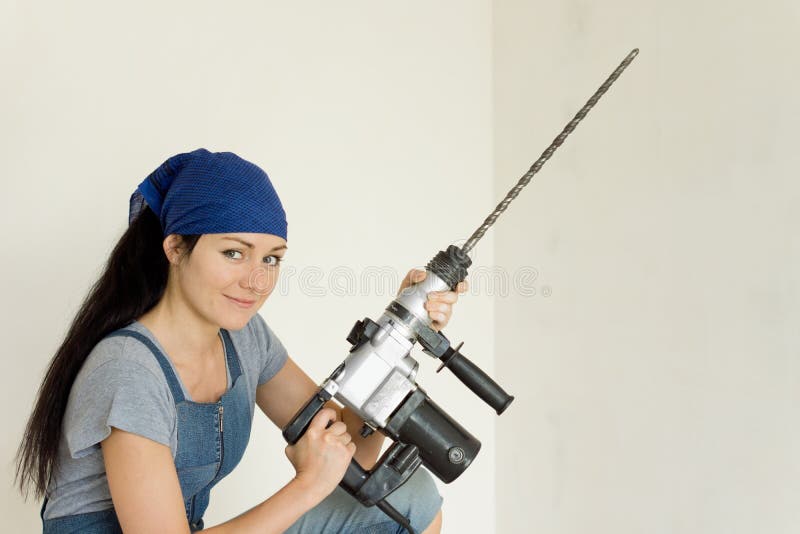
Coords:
132,282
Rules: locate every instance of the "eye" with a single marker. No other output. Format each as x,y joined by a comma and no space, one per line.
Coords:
230,254
273,260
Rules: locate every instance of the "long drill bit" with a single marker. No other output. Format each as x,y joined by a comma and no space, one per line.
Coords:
475,237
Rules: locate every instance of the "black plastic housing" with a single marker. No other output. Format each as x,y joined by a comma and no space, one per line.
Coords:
476,380
445,447
450,265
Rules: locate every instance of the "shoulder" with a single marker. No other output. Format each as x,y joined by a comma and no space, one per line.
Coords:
125,355
120,363
120,384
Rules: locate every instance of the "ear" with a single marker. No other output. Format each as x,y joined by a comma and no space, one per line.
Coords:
172,248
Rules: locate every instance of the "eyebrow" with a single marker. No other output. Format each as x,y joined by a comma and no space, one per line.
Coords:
250,245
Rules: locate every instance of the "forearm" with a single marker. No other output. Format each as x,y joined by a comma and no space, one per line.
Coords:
274,515
367,449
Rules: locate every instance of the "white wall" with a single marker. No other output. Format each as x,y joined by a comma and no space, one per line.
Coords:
373,120
658,385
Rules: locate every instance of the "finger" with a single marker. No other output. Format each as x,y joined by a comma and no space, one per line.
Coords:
451,297
443,322
415,275
343,438
351,448
438,307
462,286
321,420
438,316
337,428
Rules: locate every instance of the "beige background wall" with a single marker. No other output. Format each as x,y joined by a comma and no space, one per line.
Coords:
651,346
373,120
659,385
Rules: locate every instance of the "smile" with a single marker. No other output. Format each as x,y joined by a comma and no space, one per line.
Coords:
241,302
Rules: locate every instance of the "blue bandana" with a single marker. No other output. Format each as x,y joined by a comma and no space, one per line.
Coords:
204,192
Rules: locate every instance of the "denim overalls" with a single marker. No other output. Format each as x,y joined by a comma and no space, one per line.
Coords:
212,437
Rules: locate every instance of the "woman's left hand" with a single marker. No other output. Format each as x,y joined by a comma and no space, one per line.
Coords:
440,303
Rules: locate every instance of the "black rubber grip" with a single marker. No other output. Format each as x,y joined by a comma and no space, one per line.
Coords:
299,423
476,380
354,478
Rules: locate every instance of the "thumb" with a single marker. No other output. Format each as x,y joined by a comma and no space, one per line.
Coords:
321,420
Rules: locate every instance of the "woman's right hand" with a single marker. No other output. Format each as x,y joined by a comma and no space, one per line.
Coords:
320,458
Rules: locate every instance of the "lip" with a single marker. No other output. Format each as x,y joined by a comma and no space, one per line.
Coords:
241,302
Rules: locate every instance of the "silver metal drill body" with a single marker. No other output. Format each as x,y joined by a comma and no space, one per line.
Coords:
377,376
377,380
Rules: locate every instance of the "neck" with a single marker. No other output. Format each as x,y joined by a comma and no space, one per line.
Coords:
183,332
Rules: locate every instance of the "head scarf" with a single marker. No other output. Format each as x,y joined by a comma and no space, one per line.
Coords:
202,192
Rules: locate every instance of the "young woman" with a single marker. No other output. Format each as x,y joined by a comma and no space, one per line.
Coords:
149,401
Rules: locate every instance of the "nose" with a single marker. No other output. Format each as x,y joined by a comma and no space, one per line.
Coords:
256,280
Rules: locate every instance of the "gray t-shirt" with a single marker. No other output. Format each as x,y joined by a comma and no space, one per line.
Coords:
121,384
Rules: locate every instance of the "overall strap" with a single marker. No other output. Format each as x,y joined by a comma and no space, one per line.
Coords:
172,380
232,355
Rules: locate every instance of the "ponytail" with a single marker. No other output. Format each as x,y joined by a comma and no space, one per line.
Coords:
133,281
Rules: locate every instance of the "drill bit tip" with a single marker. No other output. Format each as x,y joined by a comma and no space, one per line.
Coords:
478,234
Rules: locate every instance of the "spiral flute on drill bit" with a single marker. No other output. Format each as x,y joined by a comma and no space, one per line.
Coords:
377,380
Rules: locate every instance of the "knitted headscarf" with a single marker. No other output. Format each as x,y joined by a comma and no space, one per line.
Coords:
202,192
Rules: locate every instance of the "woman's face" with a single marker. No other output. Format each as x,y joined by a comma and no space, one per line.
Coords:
227,277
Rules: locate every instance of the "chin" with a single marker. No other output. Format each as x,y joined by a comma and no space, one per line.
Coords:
235,320
235,323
